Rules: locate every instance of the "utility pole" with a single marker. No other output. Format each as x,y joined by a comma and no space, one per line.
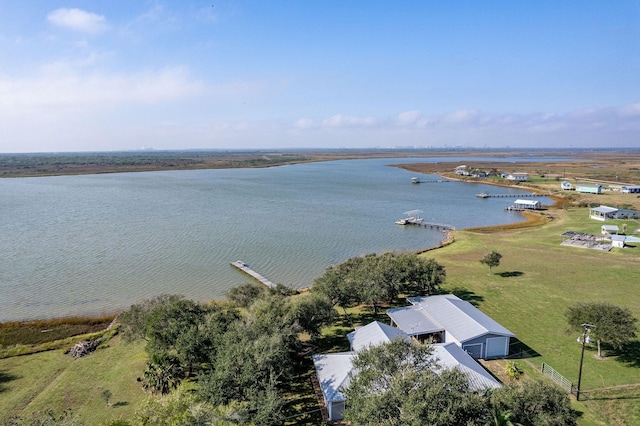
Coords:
585,339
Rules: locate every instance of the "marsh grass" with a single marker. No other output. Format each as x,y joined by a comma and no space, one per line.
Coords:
43,331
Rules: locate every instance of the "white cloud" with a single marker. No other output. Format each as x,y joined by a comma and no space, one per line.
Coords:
630,110
304,123
78,20
340,120
63,88
408,118
459,116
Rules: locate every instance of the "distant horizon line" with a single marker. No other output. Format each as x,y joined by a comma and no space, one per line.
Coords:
321,149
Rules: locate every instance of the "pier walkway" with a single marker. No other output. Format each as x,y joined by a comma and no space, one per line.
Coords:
420,222
485,195
253,274
413,218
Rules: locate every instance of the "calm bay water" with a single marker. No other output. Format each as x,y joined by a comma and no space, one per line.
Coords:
88,244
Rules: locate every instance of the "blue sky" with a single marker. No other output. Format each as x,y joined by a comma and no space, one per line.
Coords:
122,75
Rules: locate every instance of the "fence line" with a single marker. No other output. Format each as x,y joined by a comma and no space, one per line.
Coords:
562,381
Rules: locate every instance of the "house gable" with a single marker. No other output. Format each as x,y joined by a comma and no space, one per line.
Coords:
373,334
455,320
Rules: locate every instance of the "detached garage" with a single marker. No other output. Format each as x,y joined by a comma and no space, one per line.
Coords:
452,319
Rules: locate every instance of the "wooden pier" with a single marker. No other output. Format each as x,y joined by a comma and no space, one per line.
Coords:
424,224
485,195
418,180
253,274
413,218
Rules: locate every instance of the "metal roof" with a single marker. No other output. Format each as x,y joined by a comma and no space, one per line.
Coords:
414,321
333,373
461,320
373,334
333,370
527,202
604,209
450,356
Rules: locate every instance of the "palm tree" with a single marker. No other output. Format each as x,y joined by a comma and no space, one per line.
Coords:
502,418
162,374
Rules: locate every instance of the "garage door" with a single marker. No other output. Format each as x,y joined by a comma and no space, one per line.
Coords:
497,346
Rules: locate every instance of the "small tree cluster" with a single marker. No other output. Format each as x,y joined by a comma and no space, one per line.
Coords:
238,359
375,279
612,324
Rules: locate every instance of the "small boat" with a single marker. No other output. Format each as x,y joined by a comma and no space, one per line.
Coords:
482,195
415,180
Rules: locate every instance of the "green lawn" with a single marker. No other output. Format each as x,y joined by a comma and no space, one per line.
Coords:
53,380
536,281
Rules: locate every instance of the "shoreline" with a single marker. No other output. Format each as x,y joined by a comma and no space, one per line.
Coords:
530,219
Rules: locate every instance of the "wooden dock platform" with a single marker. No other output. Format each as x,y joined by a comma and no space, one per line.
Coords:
485,195
253,274
431,225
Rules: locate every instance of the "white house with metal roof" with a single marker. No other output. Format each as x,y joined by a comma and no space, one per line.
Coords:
333,370
603,213
518,176
447,318
609,229
374,334
618,241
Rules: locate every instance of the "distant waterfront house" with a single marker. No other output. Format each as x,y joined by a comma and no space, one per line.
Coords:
520,177
630,189
627,214
462,170
603,213
589,188
333,370
449,319
566,185
527,204
609,229
618,241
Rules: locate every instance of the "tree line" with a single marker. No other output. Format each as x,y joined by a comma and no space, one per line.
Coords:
239,356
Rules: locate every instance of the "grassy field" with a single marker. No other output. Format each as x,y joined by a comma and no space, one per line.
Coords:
534,284
55,381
